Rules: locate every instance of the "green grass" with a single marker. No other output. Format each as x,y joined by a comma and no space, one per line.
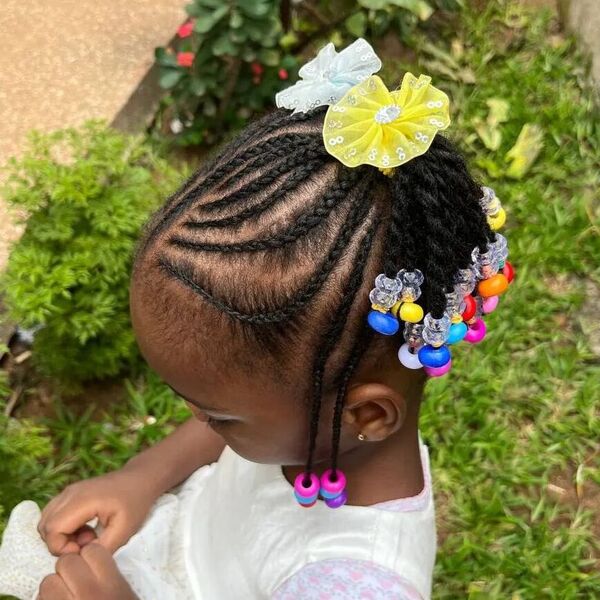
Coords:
516,413
521,411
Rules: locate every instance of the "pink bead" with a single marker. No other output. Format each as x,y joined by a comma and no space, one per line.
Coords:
438,371
489,304
333,487
306,492
476,332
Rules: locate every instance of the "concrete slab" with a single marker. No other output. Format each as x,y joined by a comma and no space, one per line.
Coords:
583,18
66,61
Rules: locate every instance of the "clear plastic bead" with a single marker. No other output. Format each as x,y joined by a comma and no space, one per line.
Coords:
501,248
438,325
413,333
454,300
487,263
465,281
411,284
387,284
380,298
434,338
489,202
414,278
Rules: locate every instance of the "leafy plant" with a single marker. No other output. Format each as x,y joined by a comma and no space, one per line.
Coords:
85,195
228,65
25,463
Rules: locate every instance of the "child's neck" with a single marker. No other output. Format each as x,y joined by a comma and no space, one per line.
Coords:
379,471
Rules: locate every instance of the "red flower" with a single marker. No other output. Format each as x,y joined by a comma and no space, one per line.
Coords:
256,68
186,29
283,74
185,59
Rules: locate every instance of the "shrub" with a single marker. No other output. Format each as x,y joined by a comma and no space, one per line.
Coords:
231,58
25,465
85,195
227,66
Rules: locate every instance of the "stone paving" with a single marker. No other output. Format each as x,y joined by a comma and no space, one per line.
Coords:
66,61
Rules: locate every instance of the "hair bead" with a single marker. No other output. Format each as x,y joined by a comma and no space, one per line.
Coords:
434,357
476,332
384,323
308,492
409,359
438,371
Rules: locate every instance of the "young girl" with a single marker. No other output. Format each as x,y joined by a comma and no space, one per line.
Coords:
268,293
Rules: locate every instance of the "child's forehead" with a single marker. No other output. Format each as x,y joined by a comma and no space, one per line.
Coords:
197,353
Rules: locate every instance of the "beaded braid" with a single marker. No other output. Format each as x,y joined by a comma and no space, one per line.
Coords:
434,220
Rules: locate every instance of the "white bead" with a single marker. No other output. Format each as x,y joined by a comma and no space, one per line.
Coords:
407,358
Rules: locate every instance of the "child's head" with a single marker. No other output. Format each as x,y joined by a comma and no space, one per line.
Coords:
250,289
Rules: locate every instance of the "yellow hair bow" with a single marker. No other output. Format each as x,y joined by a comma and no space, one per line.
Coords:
371,125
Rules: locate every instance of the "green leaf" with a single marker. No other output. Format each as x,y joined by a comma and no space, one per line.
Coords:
224,45
204,25
490,135
373,4
236,20
498,110
164,58
269,57
418,7
170,78
256,8
198,87
356,24
526,149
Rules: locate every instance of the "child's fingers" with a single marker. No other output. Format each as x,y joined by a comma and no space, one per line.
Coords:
101,562
84,535
58,528
54,588
76,573
115,533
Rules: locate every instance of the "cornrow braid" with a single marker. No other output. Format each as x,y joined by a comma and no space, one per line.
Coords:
332,334
213,172
305,152
331,199
296,177
183,271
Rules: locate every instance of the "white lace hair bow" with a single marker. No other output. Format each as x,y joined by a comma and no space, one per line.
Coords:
326,78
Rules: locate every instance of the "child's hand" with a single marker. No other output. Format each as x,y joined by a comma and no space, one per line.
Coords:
121,501
90,575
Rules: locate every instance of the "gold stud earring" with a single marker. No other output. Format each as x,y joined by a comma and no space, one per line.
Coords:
362,437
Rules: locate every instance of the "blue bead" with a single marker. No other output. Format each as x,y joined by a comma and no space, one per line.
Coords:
434,357
328,495
384,323
303,500
457,332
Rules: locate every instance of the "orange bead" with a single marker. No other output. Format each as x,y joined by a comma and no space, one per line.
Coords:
494,286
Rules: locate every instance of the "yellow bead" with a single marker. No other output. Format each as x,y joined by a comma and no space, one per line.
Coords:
396,308
456,318
498,221
411,312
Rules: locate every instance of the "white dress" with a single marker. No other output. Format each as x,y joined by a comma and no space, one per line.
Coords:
233,531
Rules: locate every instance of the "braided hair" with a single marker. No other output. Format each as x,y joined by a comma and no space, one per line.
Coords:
274,201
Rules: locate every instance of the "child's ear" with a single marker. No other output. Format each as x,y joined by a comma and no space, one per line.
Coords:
375,410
